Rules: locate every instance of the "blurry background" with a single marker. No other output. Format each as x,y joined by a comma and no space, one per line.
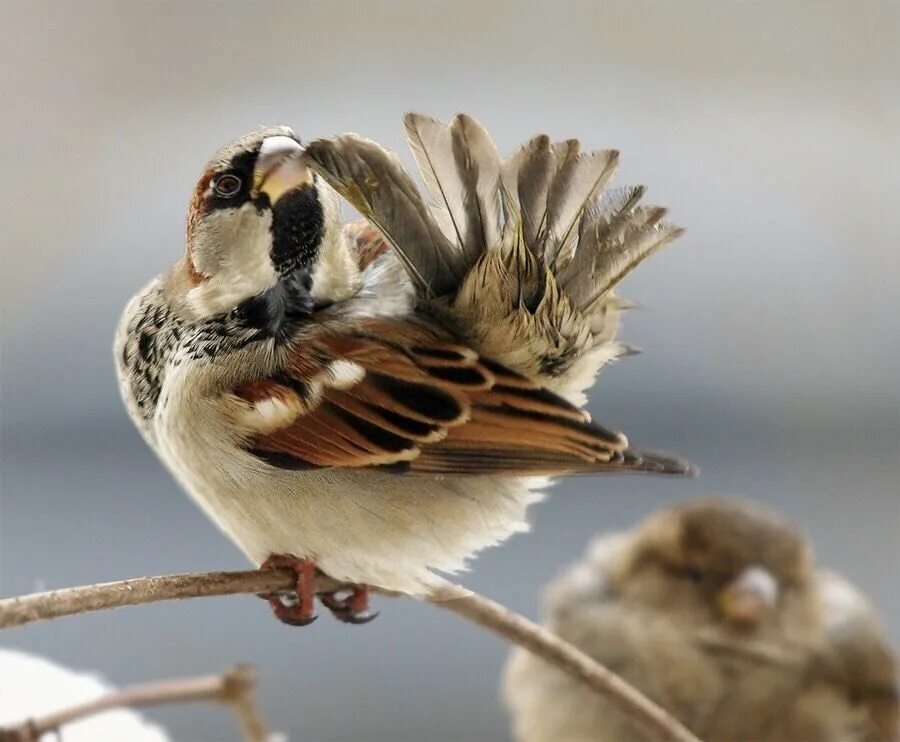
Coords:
771,328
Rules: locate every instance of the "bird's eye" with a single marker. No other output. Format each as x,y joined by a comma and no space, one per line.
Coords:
227,185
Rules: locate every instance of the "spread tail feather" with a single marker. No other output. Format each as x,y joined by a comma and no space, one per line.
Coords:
522,254
550,196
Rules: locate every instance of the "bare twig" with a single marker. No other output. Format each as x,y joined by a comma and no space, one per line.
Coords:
235,689
566,657
103,596
486,613
107,595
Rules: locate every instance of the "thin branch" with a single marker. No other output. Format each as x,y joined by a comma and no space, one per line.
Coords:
235,689
566,657
107,595
484,612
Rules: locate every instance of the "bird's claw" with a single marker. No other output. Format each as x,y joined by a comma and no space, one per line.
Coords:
297,607
289,615
352,608
355,618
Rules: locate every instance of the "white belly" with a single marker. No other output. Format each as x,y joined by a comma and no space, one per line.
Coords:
367,527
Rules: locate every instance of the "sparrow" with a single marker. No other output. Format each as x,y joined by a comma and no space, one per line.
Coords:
715,609
377,401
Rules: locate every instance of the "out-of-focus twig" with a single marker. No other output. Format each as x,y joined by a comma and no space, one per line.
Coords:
484,612
234,688
566,657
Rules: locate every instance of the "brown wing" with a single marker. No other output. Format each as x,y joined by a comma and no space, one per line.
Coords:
404,397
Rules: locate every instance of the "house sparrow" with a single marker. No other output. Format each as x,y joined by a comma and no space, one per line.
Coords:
714,609
380,400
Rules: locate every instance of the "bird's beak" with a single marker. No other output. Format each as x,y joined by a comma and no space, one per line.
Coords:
280,168
749,597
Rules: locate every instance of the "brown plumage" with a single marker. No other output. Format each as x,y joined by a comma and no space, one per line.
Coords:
404,395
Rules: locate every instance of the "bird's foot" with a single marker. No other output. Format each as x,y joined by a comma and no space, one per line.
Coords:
350,605
295,607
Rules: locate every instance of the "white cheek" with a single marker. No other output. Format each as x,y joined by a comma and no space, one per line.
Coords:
232,248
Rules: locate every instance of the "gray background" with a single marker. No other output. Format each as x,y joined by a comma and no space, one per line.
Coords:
771,329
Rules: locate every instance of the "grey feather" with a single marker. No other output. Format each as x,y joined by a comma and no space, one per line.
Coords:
554,183
579,276
471,238
431,146
566,154
618,254
478,164
578,183
610,214
527,176
461,169
521,254
375,182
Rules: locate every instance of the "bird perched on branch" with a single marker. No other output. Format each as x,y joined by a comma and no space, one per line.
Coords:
714,609
380,400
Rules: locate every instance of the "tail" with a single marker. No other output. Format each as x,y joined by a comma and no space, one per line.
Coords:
520,255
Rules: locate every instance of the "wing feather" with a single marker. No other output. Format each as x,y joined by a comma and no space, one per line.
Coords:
481,162
460,166
527,177
431,146
374,182
580,180
402,397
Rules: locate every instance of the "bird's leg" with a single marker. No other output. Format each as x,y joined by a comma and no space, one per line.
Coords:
297,607
350,605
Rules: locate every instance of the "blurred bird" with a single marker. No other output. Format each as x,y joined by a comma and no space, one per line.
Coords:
714,609
379,400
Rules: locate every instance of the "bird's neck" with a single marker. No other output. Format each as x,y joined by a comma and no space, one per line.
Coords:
148,335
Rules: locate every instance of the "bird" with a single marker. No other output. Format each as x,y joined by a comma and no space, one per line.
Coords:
715,609
378,400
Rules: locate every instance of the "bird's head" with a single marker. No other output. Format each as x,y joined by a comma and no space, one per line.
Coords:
723,561
259,219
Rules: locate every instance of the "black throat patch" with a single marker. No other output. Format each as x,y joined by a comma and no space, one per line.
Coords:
276,311
298,225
